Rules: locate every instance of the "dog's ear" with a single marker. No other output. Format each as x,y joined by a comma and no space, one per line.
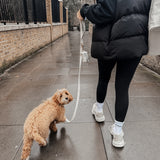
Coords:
59,92
56,95
70,97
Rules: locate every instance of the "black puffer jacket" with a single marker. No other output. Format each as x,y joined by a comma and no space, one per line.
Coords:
121,28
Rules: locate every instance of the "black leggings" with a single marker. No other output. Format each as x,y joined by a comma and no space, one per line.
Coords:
124,74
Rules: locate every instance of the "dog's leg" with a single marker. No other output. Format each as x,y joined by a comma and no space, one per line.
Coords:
53,126
38,138
27,144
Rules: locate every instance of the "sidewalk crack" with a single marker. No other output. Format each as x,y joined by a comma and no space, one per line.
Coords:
109,109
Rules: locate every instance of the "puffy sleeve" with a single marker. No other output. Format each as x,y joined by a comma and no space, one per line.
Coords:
100,13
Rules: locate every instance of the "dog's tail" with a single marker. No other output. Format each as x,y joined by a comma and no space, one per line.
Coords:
26,150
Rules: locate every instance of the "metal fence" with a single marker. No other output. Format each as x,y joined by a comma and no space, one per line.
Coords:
9,12
28,11
55,11
64,14
18,11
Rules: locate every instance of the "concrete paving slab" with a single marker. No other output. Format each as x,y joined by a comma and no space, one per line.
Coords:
42,79
143,77
55,71
87,71
6,85
87,90
10,140
73,79
25,67
145,90
88,65
30,92
140,108
142,141
15,112
72,142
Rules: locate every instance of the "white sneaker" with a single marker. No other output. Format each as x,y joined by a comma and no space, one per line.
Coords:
99,116
118,140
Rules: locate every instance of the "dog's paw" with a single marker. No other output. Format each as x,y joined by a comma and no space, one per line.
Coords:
54,129
43,144
25,158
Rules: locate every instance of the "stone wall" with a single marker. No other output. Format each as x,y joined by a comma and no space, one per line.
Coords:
152,62
18,41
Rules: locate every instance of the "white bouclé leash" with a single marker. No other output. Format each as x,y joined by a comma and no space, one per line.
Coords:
83,58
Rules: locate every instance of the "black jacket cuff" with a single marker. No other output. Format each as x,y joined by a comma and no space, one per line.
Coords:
83,10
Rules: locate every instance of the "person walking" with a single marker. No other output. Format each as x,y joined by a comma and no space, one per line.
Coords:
120,36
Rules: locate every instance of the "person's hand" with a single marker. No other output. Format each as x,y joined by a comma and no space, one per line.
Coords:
79,16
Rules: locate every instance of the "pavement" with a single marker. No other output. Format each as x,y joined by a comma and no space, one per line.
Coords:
54,67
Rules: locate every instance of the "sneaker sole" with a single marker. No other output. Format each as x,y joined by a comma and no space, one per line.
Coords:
98,119
118,145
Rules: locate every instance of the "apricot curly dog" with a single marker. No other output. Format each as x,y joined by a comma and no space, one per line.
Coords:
43,118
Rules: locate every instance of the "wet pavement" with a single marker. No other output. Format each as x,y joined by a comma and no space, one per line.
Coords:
56,66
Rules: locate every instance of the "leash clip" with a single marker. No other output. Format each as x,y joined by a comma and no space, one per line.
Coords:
84,55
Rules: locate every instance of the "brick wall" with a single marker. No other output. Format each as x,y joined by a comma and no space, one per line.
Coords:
65,28
17,42
57,32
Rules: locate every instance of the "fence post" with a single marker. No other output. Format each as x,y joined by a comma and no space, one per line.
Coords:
61,10
34,12
66,15
49,15
25,12
49,11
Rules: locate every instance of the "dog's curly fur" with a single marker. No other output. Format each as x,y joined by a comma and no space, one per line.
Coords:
43,118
